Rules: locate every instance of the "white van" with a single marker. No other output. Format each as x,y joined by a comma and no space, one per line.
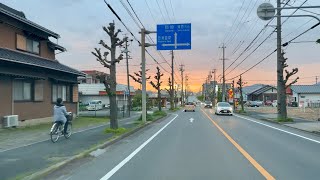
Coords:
95,105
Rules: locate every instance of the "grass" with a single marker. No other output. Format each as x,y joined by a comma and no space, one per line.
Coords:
116,132
154,116
174,109
79,122
284,120
242,112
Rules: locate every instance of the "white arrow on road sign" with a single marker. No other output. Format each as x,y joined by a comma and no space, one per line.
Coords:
176,44
191,120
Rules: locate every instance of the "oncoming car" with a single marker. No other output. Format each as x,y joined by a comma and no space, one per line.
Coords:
190,106
95,105
223,108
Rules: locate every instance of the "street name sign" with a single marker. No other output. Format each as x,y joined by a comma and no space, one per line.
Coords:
174,36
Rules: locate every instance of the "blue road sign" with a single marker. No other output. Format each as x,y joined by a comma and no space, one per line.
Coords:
173,36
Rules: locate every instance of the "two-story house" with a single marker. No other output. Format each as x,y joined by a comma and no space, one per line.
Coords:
31,79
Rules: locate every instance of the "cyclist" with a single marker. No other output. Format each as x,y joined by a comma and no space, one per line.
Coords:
60,114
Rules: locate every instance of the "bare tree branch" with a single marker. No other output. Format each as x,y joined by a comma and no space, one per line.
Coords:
293,82
103,61
289,74
107,30
105,45
119,59
116,34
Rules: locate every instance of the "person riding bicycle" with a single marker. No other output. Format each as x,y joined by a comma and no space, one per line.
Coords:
60,114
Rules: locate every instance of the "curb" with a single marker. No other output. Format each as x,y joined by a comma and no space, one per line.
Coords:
42,173
262,119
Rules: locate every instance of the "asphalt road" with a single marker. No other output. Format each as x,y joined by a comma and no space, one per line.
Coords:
29,159
194,145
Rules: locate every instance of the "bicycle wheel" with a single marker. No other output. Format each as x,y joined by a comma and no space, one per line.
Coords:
55,134
69,130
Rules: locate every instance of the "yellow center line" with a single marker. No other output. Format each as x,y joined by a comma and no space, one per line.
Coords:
264,172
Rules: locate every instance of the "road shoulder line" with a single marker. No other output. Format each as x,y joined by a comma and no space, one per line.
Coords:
275,128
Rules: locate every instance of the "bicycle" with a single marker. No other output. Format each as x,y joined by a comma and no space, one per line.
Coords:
57,129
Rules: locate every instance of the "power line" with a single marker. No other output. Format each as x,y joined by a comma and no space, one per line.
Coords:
285,44
172,10
135,38
164,20
165,6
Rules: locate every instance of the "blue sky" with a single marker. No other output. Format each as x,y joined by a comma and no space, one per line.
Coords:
79,22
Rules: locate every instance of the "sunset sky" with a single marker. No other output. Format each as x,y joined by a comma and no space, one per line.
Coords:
79,22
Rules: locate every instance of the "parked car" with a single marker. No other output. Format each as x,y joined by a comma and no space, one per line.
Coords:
190,106
255,103
268,103
95,105
207,104
223,108
275,103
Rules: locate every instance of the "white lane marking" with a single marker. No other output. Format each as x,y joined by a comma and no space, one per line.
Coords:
127,159
95,127
278,129
191,120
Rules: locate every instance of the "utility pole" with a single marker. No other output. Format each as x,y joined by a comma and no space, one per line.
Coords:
182,96
223,74
281,92
316,80
128,81
172,84
143,70
186,88
214,87
234,103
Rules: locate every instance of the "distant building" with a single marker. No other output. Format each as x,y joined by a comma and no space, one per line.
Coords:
304,94
89,92
31,79
92,77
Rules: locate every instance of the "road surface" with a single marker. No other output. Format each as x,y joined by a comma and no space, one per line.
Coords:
201,145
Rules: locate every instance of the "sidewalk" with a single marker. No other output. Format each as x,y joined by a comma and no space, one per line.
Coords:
44,153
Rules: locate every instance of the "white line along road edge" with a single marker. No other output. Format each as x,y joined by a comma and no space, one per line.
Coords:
279,129
127,159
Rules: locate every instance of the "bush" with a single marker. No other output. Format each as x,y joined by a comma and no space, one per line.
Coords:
149,117
159,113
285,120
118,131
136,109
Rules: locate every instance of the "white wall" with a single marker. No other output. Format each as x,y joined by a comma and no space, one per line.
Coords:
309,97
87,98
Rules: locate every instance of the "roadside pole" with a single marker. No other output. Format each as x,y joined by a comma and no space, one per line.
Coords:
223,74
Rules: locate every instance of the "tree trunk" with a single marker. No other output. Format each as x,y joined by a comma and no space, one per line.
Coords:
112,96
159,99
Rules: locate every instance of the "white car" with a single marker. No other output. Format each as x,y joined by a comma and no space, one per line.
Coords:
95,105
223,108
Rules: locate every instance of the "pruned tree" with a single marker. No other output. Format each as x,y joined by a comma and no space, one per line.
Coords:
284,82
240,86
170,92
138,76
110,82
157,86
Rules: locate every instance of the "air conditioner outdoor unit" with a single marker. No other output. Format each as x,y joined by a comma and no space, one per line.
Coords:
10,121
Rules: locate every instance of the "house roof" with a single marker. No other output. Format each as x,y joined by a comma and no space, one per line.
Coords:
94,89
33,60
306,89
252,88
19,16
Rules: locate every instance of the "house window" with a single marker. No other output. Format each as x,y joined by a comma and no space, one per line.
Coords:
26,44
61,91
22,90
